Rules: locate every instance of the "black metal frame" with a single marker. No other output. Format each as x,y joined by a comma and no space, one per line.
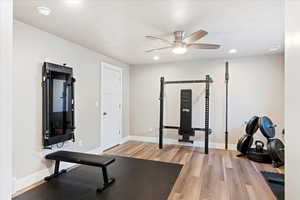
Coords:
56,171
106,180
208,80
48,68
226,104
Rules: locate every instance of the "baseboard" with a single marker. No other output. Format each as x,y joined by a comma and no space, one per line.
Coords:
173,141
22,183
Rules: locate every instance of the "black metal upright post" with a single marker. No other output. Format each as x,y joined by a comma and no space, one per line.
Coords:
207,78
73,105
161,112
226,105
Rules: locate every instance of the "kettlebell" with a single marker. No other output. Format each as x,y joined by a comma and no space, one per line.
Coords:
259,146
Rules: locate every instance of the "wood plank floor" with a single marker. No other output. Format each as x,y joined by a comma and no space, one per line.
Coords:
220,175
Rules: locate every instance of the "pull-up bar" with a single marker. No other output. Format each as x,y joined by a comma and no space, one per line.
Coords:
206,128
190,81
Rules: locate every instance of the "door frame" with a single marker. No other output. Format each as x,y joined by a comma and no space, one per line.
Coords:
6,98
113,67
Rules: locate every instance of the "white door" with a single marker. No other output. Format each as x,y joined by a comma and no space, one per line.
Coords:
111,105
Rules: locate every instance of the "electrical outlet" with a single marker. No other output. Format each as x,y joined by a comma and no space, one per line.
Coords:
150,130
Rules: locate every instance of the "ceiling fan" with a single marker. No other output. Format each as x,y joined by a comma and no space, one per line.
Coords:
181,43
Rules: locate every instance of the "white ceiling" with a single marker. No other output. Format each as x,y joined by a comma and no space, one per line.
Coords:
117,28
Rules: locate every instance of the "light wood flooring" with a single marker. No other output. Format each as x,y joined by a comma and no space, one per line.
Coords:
220,175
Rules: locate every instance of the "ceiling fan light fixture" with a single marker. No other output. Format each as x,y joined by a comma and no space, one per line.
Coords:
179,50
232,51
156,57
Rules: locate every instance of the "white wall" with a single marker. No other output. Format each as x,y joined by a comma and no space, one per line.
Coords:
256,88
31,48
292,100
6,45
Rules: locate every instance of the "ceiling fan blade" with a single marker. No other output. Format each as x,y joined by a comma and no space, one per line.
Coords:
150,50
157,38
204,46
195,36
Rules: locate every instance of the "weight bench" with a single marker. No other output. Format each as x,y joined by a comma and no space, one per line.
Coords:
83,159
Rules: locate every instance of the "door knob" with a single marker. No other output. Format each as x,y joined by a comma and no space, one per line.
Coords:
104,113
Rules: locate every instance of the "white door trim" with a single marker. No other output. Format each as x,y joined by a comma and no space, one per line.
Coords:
6,73
101,101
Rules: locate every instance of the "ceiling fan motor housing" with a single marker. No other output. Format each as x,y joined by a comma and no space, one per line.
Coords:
179,35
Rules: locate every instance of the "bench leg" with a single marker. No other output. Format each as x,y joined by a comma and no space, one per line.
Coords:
107,181
56,171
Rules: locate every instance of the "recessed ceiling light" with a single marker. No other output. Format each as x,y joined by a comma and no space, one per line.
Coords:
73,2
156,57
44,10
275,48
232,51
179,50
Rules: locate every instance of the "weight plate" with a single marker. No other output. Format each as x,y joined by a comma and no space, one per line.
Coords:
244,144
276,150
262,157
252,125
267,127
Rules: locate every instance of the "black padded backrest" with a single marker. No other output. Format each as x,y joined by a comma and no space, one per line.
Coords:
186,110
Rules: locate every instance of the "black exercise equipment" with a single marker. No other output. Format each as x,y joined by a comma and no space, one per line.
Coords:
185,128
267,127
259,146
259,154
226,104
58,104
83,159
276,151
275,148
207,81
252,125
244,143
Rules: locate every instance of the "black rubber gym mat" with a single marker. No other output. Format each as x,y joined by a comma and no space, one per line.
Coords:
136,179
277,188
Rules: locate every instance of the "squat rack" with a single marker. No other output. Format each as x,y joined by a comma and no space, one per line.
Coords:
207,81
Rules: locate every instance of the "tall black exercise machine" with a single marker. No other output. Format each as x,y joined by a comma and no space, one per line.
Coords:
187,130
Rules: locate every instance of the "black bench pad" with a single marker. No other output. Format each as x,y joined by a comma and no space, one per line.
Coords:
81,158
